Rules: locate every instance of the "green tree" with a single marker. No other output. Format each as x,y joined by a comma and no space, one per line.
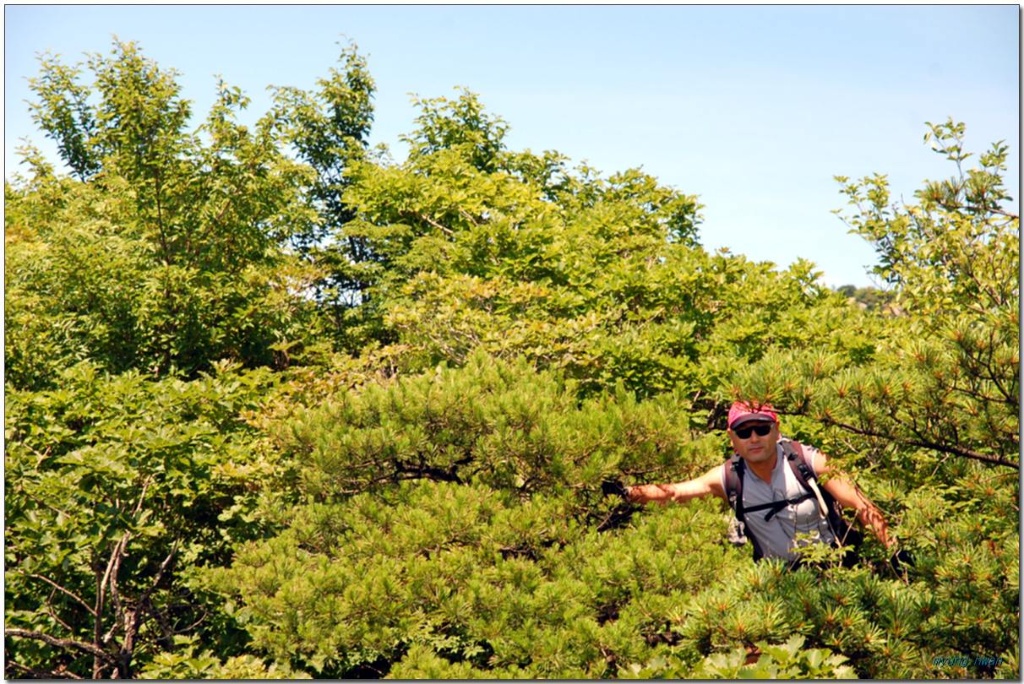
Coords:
117,490
450,525
129,283
328,129
481,247
871,298
164,254
448,590
458,515
954,257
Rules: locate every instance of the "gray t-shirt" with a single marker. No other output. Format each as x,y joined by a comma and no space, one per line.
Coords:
778,536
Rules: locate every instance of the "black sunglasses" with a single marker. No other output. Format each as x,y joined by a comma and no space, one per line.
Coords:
762,429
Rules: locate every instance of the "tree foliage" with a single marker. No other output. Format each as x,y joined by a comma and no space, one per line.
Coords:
165,254
281,406
117,490
944,372
328,130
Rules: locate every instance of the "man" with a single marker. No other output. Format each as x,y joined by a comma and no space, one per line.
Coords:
794,516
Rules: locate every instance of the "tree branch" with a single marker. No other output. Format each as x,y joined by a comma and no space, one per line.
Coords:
43,674
101,594
160,573
56,618
119,553
925,444
142,496
132,622
65,591
466,215
69,644
435,224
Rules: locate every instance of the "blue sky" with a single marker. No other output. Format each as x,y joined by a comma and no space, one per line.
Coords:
753,108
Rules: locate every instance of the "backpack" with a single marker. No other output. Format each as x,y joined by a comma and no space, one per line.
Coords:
845,535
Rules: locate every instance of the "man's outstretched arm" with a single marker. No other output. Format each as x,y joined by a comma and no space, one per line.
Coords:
678,492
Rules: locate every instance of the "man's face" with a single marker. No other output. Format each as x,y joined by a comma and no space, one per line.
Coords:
755,448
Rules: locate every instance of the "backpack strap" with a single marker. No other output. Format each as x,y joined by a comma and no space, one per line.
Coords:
735,468
828,507
804,472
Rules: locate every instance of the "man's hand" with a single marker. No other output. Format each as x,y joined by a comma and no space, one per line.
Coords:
901,561
614,488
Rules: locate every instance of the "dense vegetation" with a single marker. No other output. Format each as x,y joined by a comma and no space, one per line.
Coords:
279,405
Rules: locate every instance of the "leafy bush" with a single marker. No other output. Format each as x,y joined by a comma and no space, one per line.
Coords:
117,489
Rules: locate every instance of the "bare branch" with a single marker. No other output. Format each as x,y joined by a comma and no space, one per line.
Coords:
163,568
101,595
66,591
46,504
69,644
189,628
110,632
435,224
925,444
144,599
56,618
43,674
142,496
119,553
466,215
